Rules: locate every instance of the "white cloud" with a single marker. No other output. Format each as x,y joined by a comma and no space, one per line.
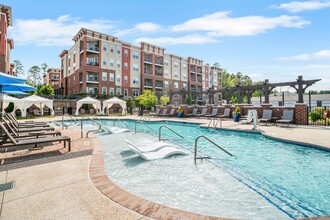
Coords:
146,27
303,6
50,32
221,24
189,39
323,54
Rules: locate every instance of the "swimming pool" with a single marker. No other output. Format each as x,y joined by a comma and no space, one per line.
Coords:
265,179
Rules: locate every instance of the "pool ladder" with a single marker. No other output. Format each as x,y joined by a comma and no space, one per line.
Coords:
141,122
201,158
82,125
160,133
145,117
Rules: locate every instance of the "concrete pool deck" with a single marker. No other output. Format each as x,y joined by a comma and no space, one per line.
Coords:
54,184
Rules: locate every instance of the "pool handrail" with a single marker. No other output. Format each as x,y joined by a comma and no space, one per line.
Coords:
202,136
164,126
81,126
141,122
145,117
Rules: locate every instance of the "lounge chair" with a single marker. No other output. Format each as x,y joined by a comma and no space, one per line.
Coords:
36,112
248,119
171,113
91,111
159,154
149,147
33,141
163,112
115,130
194,112
225,114
26,129
14,120
30,134
156,113
213,114
266,116
287,117
203,113
29,124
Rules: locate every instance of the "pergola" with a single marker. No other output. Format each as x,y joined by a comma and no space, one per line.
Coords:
300,85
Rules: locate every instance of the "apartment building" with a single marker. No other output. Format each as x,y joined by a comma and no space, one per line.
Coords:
53,78
6,45
98,63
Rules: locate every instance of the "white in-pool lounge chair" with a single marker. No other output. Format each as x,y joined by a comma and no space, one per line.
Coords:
160,154
148,147
115,130
248,119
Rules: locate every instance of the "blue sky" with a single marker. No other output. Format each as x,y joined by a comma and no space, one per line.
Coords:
275,40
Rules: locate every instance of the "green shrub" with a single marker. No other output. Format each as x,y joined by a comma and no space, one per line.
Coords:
315,116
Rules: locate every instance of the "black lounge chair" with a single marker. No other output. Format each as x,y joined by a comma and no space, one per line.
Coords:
156,113
30,134
163,113
266,116
25,124
226,113
32,141
213,114
203,113
25,129
194,112
171,113
287,117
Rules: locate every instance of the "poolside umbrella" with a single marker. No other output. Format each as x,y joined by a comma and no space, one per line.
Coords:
5,78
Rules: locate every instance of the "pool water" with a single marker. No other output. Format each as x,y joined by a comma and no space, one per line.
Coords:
265,178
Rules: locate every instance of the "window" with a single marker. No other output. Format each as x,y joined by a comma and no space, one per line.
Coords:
136,67
135,92
118,50
104,90
125,79
111,48
125,92
176,85
118,77
118,91
166,84
104,76
135,55
184,85
111,62
104,47
118,63
104,61
125,65
74,78
126,53
176,64
166,62
111,91
166,73
175,75
176,95
184,77
135,80
112,77
184,66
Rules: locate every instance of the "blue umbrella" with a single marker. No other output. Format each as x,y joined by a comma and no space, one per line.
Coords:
16,88
16,93
5,78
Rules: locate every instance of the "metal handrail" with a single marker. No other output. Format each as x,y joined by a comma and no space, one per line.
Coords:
164,126
202,136
82,125
75,121
116,119
141,122
215,121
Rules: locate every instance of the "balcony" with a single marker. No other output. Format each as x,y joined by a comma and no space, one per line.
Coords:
92,78
159,62
158,72
148,60
148,71
92,62
55,78
94,48
159,84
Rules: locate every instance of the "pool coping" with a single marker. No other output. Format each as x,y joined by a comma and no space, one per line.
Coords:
150,209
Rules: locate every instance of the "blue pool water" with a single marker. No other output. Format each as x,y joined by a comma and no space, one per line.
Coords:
293,179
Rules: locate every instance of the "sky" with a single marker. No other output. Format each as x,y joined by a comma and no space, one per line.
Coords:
275,40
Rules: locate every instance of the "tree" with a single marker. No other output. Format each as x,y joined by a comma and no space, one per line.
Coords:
164,100
18,68
46,90
189,100
44,68
34,75
147,99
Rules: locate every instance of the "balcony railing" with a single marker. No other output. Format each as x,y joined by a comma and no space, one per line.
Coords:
148,72
92,47
92,78
148,84
158,73
147,60
159,62
92,63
